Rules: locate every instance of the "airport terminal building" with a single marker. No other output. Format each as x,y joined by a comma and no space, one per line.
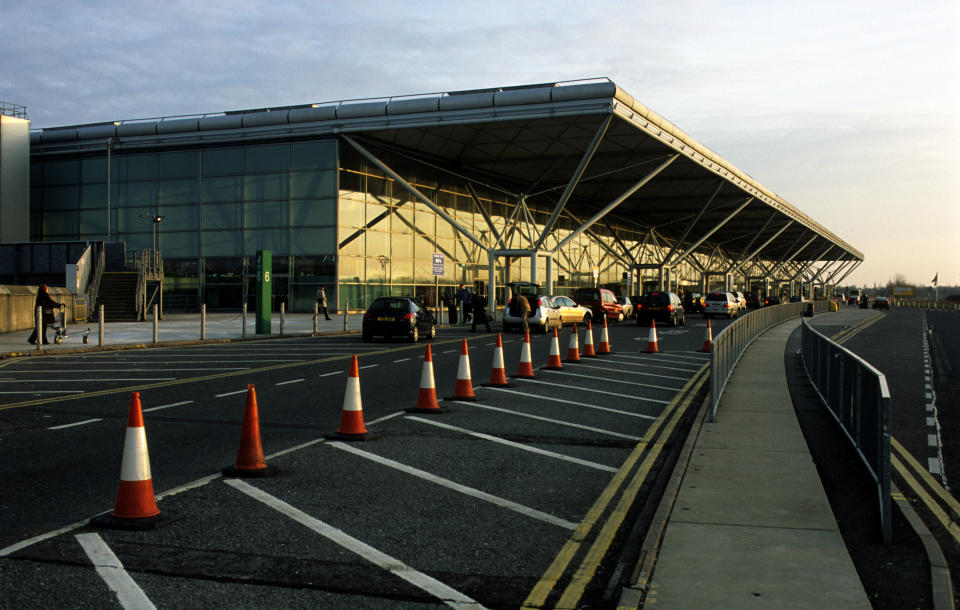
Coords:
559,184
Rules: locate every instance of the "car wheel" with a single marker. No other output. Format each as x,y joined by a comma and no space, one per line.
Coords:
415,335
620,317
433,332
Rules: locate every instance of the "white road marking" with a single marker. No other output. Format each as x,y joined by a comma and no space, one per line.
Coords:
77,423
549,420
175,404
570,402
230,393
289,382
447,595
592,391
521,446
470,491
595,378
108,566
581,365
330,373
46,392
87,380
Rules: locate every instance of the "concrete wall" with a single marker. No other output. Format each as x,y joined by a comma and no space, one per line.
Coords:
14,179
16,306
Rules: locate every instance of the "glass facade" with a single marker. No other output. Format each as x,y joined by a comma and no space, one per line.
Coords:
328,215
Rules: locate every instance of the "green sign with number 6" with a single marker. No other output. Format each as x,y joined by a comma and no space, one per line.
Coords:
264,291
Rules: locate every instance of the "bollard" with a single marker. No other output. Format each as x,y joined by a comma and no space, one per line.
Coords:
283,311
100,341
156,317
203,321
316,318
39,327
346,306
243,320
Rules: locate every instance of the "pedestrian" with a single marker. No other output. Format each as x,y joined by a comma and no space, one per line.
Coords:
524,305
45,301
463,298
322,301
479,313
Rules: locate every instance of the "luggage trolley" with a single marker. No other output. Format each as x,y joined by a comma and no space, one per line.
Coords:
59,326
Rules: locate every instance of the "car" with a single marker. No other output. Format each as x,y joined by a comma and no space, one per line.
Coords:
881,303
741,299
853,300
864,302
602,302
570,312
542,315
721,304
403,317
798,298
693,302
627,304
665,307
771,300
753,299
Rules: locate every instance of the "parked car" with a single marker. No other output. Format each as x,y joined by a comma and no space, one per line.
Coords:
542,315
600,301
721,304
693,302
741,299
570,312
798,298
664,307
864,302
753,299
853,300
627,304
771,300
403,317
881,303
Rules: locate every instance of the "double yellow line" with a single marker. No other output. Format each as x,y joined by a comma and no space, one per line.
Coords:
652,444
941,504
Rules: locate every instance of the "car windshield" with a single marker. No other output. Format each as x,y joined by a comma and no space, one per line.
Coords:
717,296
588,294
655,298
390,306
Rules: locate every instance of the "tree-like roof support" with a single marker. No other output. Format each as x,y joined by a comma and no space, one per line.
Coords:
712,231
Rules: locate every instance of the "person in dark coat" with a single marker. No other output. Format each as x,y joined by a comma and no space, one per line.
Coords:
322,302
479,312
45,301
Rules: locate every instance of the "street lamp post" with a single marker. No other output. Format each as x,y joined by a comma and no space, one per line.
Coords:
156,219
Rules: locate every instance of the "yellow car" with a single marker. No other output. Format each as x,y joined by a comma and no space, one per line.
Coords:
570,312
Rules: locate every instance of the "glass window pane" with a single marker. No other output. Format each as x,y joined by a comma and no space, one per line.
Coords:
131,221
267,158
137,193
94,196
277,240
61,172
222,243
220,161
315,241
178,191
179,218
422,248
351,213
310,212
180,164
226,216
352,269
313,185
65,225
180,244
265,186
266,214
314,155
401,271
61,198
355,246
224,188
138,167
93,224
93,169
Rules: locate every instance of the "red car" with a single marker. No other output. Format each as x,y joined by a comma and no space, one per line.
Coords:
601,302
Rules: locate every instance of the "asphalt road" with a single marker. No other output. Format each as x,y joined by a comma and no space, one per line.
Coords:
485,502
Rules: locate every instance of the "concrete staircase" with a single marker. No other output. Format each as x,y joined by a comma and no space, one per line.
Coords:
118,295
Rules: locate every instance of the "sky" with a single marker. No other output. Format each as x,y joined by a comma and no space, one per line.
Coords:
848,110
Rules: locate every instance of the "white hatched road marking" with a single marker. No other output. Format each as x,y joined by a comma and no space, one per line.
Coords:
570,402
581,365
289,382
446,594
503,441
108,566
174,404
595,378
230,393
470,491
76,423
583,389
558,422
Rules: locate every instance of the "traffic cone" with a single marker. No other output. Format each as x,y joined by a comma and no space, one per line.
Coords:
351,416
604,347
707,338
136,505
498,374
250,461
463,390
553,362
525,370
427,396
652,338
588,341
573,349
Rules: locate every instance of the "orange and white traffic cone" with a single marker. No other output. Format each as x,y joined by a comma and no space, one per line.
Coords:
136,505
588,341
573,349
498,374
604,347
351,416
525,370
553,362
463,390
427,395
652,338
707,338
250,461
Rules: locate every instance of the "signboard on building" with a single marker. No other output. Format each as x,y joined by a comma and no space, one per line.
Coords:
903,291
438,264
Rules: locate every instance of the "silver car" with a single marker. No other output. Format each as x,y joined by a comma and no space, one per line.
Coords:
721,304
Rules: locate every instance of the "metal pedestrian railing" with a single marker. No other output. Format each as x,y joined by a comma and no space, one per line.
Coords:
857,396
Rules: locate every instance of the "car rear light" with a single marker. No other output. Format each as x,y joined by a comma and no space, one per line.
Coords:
669,307
726,305
539,300
409,316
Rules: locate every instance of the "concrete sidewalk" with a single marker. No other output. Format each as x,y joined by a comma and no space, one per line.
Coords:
751,526
174,328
